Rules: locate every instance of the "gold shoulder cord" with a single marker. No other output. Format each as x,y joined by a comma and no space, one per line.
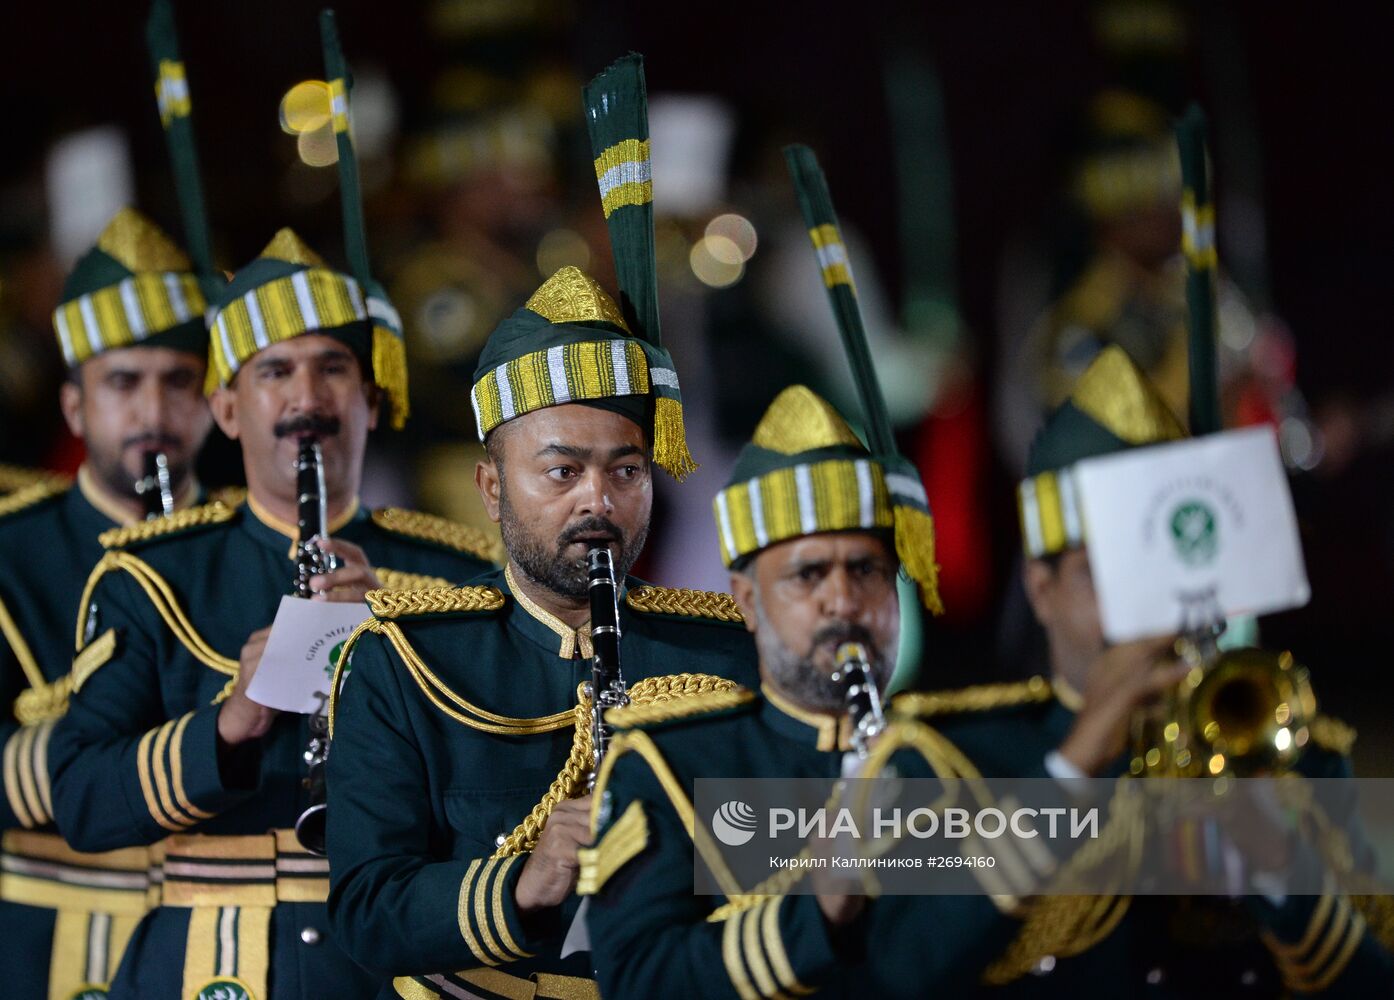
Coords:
14,478
429,528
978,698
165,603
191,517
691,603
21,649
28,496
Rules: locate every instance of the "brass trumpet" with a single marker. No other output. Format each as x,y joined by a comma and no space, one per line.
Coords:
1239,712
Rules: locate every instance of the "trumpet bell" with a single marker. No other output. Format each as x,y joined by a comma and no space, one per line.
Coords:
1248,713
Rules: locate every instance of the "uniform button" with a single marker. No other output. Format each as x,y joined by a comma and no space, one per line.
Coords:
1154,977
1045,966
309,935
498,841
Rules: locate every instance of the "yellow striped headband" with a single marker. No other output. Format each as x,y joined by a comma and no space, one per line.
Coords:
804,499
597,369
120,315
312,299
1051,521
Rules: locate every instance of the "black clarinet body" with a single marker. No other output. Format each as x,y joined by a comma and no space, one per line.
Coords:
311,560
607,688
863,697
155,488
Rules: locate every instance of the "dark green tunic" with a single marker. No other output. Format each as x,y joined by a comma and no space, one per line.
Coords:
421,800
135,759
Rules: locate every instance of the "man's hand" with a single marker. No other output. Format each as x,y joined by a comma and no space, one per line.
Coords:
549,874
1121,679
353,578
241,719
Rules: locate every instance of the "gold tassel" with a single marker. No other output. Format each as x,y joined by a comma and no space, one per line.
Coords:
670,439
390,373
914,544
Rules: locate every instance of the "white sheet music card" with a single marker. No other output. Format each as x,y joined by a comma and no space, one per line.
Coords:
1192,529
297,665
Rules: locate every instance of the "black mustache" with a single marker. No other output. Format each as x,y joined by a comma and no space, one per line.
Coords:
590,526
156,440
841,632
308,423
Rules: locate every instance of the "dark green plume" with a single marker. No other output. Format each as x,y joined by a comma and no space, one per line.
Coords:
350,193
1198,245
172,99
617,117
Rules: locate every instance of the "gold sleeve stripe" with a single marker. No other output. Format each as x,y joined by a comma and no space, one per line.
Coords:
147,788
42,732
463,914
161,772
1342,959
774,948
1335,931
1309,937
755,955
176,768
625,839
18,805
481,915
154,780
500,921
27,784
731,957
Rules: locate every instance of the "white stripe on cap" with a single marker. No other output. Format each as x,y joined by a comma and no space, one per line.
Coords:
130,301
177,302
632,172
474,404
65,336
505,392
723,522
89,324
229,355
257,320
831,253
665,377
619,361
300,281
1031,517
757,513
383,311
865,494
808,512
556,370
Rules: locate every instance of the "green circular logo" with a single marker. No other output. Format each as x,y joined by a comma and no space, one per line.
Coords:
334,655
224,989
1194,533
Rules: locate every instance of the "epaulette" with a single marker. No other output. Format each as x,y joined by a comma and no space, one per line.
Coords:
1330,733
685,707
181,520
978,698
14,478
400,579
438,531
684,603
35,493
389,604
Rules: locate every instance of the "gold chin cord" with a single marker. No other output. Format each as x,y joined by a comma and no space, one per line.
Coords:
1238,712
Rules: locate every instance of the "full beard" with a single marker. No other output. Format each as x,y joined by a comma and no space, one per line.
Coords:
799,676
547,563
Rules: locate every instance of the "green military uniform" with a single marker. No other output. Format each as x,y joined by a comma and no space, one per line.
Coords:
467,754
1153,946
136,761
463,705
69,915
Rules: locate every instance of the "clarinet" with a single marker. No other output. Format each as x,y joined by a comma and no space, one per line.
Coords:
155,488
606,687
310,560
863,699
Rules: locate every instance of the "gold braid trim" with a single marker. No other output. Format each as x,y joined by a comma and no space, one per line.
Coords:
14,477
400,580
338,679
9,629
228,496
43,702
28,496
671,693
680,705
979,698
166,604
181,520
391,603
429,528
690,603
1330,733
